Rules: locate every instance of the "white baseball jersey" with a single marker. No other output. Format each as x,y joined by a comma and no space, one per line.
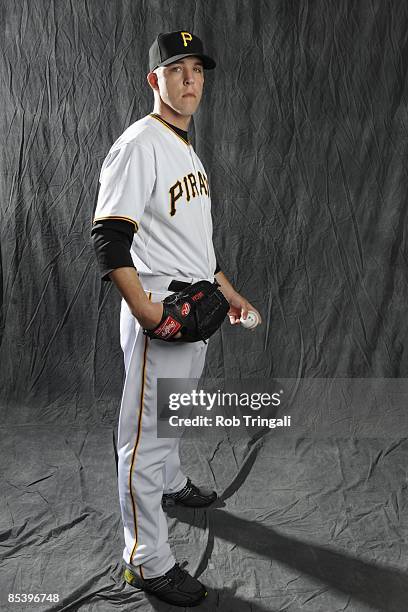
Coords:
153,178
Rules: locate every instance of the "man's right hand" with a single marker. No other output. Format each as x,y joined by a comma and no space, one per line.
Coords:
151,315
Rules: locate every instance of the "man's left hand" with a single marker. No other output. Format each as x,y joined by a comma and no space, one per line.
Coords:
239,308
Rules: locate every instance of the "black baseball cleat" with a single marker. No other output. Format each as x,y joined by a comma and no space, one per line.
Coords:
191,496
175,587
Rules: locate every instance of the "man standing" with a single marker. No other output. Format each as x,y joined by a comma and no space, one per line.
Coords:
152,234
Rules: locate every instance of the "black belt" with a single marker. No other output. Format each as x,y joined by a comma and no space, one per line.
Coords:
176,285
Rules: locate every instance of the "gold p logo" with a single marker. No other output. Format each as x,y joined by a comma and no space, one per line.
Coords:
186,36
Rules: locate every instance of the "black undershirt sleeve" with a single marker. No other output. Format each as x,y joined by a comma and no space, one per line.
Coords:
112,239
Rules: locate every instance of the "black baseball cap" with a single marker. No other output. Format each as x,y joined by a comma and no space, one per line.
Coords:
172,46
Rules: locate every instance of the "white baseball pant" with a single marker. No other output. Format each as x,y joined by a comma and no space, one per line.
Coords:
149,466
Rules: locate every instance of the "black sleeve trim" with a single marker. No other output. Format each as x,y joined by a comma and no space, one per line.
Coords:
112,240
217,267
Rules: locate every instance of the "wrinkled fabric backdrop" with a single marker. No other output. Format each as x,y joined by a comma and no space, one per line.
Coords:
303,131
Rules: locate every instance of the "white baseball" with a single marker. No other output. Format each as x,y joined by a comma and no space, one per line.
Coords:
251,321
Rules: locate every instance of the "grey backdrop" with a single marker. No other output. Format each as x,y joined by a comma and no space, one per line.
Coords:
303,133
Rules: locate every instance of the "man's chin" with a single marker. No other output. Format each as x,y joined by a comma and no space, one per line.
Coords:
188,108
185,110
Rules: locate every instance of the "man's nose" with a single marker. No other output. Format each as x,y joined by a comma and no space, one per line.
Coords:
188,77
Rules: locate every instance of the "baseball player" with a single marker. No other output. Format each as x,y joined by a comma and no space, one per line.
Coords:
152,234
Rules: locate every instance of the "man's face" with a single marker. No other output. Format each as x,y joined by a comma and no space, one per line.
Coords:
181,84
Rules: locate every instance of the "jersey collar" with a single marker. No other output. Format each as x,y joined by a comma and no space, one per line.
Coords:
169,127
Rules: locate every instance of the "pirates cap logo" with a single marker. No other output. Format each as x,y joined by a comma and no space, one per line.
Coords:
186,36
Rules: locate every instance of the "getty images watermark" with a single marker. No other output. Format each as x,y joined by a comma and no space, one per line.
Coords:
207,401
306,407
181,404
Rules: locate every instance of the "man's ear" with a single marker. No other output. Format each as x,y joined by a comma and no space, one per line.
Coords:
152,80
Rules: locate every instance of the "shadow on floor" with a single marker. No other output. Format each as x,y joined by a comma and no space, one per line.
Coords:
380,587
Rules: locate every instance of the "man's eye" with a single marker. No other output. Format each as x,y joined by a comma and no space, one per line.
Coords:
199,69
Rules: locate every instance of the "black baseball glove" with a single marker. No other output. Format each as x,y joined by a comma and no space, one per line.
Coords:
196,312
